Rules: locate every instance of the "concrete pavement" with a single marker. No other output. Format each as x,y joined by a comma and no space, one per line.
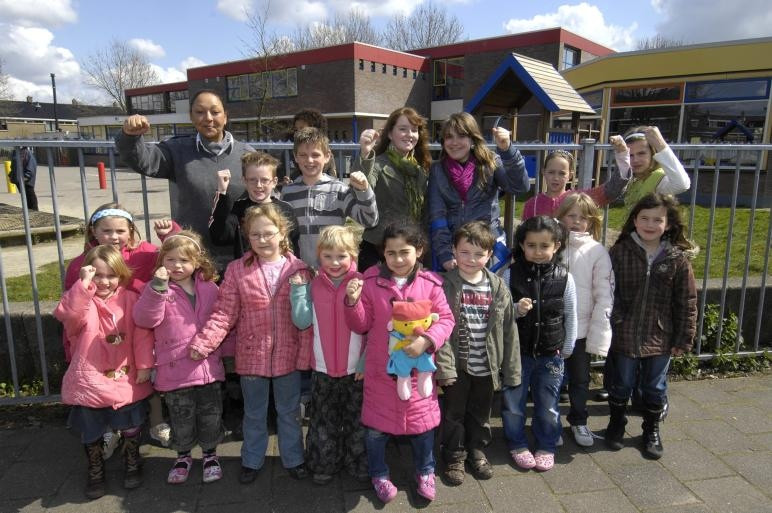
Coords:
718,458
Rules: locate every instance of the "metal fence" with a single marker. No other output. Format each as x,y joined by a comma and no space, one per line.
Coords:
705,162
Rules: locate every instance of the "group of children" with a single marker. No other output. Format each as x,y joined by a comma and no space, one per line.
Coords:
135,325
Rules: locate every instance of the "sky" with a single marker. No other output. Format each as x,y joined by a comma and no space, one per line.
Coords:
55,36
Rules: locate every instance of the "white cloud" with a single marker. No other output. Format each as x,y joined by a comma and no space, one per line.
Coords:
191,62
179,73
30,55
288,12
583,19
36,13
236,9
148,48
700,21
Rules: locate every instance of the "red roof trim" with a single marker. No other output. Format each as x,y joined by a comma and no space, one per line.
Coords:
343,52
158,88
512,42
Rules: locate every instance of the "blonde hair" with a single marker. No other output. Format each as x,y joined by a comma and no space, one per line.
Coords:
134,236
114,260
258,158
464,124
274,215
338,237
588,208
191,246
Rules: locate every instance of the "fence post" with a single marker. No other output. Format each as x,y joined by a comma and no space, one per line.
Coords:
102,176
586,164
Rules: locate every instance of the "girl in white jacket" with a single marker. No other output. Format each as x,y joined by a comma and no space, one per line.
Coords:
590,266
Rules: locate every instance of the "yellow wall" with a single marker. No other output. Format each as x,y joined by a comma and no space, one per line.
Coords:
18,129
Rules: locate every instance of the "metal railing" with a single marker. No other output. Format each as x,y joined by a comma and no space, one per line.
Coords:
592,159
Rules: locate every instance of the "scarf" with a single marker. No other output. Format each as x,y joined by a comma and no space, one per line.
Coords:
461,175
410,170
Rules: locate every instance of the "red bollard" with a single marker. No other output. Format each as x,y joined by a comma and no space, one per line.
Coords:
102,177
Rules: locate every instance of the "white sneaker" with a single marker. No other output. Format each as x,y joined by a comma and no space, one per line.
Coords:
110,442
582,435
162,433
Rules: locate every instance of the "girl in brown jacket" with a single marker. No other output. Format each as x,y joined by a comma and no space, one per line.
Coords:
654,315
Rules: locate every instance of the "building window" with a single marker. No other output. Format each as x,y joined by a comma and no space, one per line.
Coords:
174,96
727,90
404,73
268,84
571,57
3,124
148,104
448,79
594,99
730,122
665,117
641,95
361,64
383,69
372,66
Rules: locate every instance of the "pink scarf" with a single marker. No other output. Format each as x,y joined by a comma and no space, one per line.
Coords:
461,175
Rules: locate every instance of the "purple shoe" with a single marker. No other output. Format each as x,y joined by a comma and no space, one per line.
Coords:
384,489
426,486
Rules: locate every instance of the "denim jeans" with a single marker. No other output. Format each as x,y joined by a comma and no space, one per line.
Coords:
578,372
543,375
623,373
423,452
286,394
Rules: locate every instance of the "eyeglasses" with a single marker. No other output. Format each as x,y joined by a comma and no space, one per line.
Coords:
115,338
260,181
263,236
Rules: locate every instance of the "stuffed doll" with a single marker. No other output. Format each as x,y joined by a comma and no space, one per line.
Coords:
410,319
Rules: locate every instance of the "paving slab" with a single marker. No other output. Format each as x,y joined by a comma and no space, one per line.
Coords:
731,494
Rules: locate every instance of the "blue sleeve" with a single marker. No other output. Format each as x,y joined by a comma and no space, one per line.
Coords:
439,230
511,176
300,299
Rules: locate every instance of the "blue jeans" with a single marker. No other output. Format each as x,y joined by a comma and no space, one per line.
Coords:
286,395
423,452
543,375
623,373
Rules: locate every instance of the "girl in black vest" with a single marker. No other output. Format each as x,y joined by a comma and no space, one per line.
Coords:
545,297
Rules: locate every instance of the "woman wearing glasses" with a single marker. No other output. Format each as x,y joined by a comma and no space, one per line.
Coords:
258,171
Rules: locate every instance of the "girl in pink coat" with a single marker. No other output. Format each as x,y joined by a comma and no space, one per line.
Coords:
369,310
270,350
108,377
175,304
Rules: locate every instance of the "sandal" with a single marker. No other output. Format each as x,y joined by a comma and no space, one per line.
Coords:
544,461
524,459
180,471
481,468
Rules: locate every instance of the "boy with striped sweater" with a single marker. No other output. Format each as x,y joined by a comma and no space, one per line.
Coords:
319,200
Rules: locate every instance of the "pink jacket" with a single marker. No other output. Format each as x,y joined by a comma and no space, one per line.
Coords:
267,343
175,321
382,409
101,374
336,349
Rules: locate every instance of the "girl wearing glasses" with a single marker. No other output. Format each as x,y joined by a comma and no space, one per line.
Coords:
109,374
258,171
255,300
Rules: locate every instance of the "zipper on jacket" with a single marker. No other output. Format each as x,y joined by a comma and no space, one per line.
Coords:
538,310
639,327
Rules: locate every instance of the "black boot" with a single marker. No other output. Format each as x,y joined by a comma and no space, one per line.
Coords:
652,441
615,431
132,476
95,481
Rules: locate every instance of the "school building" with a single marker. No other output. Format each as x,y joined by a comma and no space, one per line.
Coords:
32,119
707,93
357,85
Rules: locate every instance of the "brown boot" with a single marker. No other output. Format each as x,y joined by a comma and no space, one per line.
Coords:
132,476
454,467
95,481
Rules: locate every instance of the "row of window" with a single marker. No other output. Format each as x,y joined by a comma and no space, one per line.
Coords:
157,103
268,84
691,92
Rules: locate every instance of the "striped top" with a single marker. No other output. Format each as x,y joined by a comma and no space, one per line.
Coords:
328,202
475,303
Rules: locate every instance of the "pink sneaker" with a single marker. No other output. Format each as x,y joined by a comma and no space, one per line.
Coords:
384,489
426,486
544,461
180,471
523,459
212,469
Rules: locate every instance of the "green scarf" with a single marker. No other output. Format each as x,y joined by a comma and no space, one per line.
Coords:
411,171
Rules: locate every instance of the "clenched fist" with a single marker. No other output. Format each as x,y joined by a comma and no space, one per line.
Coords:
353,290
87,273
162,273
162,227
358,181
524,306
501,138
223,179
136,124
367,141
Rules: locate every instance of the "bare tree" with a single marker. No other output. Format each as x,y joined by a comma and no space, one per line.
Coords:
116,68
658,41
429,25
354,25
5,91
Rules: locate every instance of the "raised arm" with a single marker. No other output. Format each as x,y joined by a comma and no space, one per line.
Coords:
146,159
511,176
359,201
